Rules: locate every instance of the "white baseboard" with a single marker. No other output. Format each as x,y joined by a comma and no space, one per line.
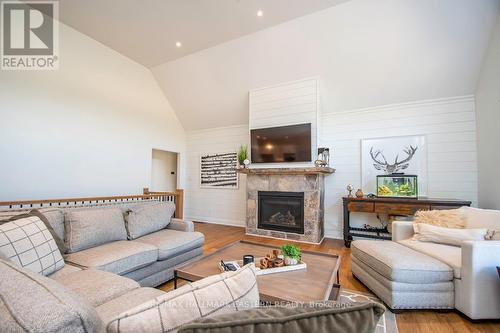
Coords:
232,223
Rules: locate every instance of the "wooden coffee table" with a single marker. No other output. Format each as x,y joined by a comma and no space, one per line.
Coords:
318,282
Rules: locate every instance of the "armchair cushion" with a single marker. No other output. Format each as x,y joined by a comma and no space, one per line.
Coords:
483,218
450,255
449,236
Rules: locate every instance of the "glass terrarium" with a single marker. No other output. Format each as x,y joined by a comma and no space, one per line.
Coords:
397,185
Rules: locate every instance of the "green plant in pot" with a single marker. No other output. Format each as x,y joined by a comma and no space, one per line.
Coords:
291,253
242,155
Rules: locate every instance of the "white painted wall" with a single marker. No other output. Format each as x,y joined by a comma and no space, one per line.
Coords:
164,163
287,103
449,125
366,52
488,125
86,129
224,206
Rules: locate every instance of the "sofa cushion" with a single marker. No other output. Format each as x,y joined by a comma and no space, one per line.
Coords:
172,242
400,263
223,293
110,310
446,218
118,257
450,255
30,302
321,317
27,242
67,269
144,219
448,236
97,287
55,217
89,227
483,218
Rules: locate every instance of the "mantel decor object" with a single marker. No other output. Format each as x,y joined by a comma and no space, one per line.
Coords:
323,159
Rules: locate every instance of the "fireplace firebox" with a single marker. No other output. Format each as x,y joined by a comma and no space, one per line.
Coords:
281,211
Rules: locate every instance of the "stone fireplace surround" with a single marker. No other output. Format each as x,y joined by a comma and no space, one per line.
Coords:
311,181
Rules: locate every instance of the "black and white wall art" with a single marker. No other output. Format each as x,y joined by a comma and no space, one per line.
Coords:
401,154
219,170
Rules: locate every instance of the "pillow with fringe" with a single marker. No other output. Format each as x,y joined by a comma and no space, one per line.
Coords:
449,218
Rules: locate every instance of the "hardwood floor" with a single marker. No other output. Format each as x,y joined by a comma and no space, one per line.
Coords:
216,236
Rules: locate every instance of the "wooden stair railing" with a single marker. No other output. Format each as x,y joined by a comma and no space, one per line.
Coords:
177,197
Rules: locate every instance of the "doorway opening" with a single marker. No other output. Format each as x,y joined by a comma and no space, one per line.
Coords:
164,171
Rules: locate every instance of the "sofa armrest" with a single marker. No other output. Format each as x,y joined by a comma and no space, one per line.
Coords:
402,230
480,283
181,225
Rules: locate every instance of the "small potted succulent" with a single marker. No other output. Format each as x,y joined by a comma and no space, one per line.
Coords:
291,253
243,156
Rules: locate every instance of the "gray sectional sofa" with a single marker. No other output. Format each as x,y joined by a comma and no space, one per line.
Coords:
149,259
113,254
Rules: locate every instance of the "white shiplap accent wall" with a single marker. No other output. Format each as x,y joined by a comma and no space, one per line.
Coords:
224,206
285,104
449,125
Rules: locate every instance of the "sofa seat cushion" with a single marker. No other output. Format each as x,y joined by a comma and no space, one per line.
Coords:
171,243
118,257
400,263
67,269
97,287
31,302
109,310
450,255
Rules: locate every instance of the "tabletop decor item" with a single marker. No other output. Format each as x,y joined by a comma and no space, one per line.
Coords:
359,193
350,188
288,258
248,258
397,185
291,253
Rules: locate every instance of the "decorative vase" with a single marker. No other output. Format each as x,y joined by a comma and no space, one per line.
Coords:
359,193
290,261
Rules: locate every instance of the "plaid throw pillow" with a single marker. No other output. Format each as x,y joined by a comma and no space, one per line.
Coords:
28,243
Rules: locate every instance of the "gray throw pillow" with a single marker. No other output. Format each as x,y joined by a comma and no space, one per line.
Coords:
321,317
90,227
144,219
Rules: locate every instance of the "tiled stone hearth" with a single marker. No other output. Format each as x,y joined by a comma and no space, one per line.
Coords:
311,181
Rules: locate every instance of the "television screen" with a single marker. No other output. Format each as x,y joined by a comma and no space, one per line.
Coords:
281,144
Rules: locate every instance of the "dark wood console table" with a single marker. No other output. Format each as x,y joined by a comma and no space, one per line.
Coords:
389,206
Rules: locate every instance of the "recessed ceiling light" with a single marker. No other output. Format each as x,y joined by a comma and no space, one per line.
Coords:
260,13
178,44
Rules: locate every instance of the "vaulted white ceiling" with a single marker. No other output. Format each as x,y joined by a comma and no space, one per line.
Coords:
147,31
366,53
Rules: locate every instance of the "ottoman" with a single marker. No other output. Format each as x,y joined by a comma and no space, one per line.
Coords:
401,277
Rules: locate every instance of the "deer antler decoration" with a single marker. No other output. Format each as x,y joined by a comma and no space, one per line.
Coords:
382,164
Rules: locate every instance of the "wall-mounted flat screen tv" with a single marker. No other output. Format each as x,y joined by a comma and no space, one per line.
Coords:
281,144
